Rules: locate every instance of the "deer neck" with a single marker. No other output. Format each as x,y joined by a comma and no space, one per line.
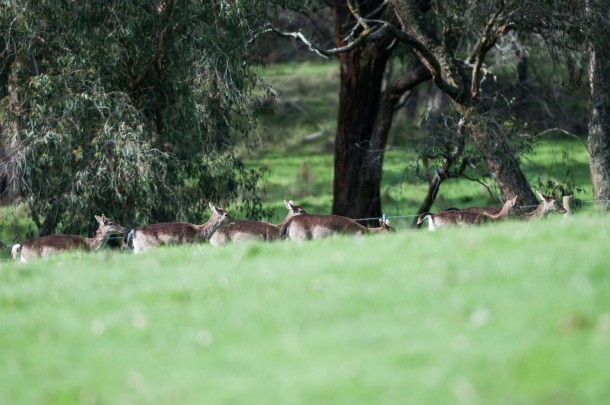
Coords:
98,241
506,209
207,230
541,210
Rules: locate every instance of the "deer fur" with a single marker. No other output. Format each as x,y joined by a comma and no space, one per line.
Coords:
307,226
547,204
244,230
466,216
177,233
52,244
508,205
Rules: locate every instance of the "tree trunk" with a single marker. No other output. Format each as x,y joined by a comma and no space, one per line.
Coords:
10,139
356,187
599,121
450,76
502,163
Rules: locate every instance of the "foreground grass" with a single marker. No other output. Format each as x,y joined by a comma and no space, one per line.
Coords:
510,313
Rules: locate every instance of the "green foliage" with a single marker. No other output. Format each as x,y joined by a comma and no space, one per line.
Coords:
128,108
508,313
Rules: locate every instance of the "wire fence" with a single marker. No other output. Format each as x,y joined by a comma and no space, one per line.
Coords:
384,217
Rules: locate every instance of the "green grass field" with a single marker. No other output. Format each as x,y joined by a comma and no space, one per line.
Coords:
508,313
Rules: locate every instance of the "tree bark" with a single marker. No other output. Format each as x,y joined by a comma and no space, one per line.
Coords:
501,161
599,121
356,187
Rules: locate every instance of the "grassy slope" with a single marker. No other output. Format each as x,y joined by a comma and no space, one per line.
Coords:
510,313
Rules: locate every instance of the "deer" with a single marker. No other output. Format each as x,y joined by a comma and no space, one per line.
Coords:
467,216
308,226
246,230
44,246
177,233
547,205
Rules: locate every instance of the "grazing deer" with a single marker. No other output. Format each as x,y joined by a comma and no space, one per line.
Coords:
176,233
547,204
52,244
307,226
466,216
244,230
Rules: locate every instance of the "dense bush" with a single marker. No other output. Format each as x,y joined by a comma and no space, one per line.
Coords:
126,108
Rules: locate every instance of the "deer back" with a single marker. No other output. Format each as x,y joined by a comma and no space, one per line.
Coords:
52,244
307,226
245,230
167,233
493,213
446,219
482,210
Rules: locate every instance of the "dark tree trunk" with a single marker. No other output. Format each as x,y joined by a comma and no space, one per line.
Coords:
599,121
356,188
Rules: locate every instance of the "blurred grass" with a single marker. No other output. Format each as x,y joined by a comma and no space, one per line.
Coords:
507,313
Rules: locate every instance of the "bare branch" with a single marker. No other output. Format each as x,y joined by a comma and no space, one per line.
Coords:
373,33
356,13
484,45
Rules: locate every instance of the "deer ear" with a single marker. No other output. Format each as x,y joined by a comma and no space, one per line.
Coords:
212,207
100,219
287,204
540,195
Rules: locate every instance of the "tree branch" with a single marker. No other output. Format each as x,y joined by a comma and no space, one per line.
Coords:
484,45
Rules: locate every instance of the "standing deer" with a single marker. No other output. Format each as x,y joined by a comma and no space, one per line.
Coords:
547,204
176,233
244,230
466,216
307,226
53,244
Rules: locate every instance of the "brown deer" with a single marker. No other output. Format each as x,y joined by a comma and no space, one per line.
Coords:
53,244
176,233
547,204
492,210
307,226
467,216
245,230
